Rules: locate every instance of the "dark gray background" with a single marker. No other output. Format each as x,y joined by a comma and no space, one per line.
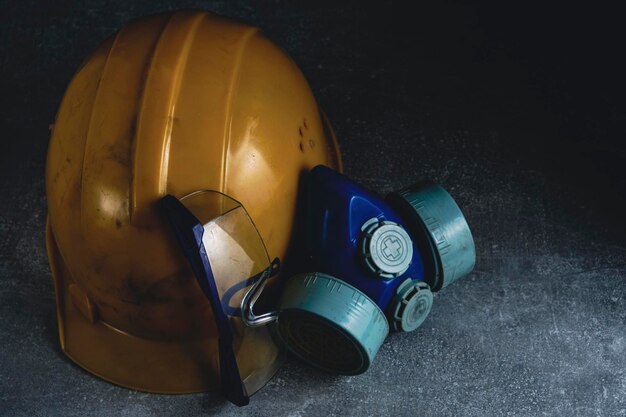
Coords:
518,110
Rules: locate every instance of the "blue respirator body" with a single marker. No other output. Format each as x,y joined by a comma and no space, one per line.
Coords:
376,263
355,235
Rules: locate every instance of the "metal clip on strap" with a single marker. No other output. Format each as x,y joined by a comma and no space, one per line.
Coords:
247,303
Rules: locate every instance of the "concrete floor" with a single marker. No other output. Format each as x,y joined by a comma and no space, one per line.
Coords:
518,113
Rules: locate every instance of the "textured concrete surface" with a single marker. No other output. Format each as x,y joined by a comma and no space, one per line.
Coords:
518,112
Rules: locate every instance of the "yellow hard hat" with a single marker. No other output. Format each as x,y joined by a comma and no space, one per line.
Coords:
172,104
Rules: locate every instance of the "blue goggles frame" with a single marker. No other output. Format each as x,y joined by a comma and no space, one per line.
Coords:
189,231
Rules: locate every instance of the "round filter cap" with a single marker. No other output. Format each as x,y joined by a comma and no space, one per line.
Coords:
386,248
411,305
441,219
330,324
